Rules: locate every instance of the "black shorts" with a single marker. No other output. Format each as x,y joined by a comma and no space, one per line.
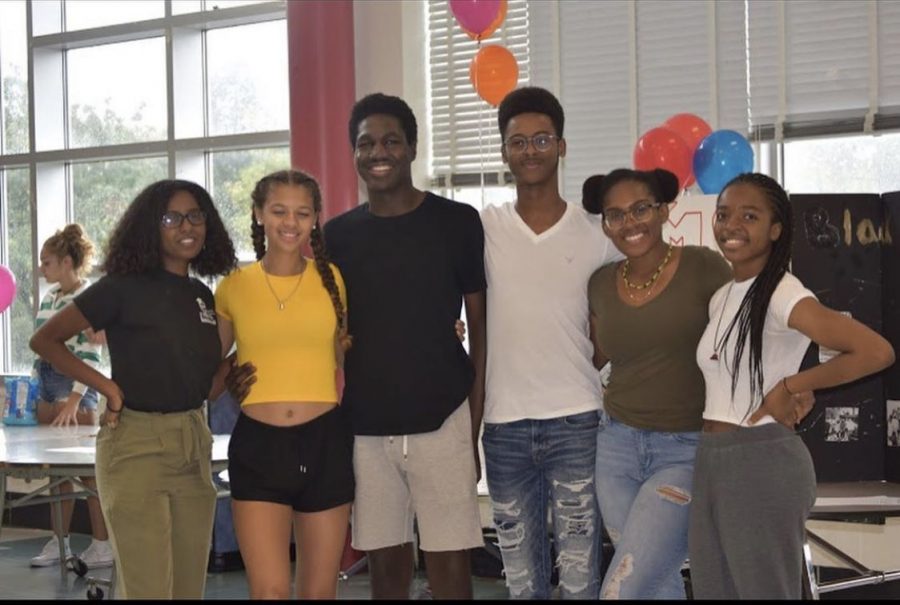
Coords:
308,467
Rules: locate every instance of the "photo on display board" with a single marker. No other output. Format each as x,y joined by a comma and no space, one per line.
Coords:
842,424
893,423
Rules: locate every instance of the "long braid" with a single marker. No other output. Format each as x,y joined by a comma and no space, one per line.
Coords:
751,316
258,234
318,246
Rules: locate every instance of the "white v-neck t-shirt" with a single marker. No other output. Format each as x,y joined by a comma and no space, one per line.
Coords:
539,352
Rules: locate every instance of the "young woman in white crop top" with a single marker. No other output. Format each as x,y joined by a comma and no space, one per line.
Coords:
754,481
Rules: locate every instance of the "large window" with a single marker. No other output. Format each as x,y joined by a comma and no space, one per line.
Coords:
117,93
13,79
245,93
102,190
854,164
18,320
125,94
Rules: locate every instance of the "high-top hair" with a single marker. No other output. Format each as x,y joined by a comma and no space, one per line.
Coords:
378,103
530,99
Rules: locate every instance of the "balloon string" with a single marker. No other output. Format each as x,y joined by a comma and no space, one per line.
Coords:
480,118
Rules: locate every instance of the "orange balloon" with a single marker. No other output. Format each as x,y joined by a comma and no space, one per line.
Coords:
494,73
496,23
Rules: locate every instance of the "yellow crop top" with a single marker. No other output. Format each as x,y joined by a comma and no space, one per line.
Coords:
292,348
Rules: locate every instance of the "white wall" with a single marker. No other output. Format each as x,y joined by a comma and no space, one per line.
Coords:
390,58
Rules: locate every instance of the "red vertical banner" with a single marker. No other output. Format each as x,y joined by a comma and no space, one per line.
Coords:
322,78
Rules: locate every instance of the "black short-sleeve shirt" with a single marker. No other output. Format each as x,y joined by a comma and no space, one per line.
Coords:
405,276
163,341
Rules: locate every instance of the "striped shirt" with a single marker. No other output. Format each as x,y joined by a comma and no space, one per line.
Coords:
79,344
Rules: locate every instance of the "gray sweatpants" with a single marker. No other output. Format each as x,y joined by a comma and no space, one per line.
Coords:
753,489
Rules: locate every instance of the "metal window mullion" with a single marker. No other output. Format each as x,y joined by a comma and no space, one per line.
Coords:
170,97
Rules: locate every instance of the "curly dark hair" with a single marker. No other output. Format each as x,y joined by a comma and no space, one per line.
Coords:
662,185
378,103
530,99
135,244
317,242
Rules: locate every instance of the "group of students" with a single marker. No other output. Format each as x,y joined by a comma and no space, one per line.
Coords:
691,437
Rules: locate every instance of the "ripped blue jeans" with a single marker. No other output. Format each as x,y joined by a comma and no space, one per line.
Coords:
644,487
536,469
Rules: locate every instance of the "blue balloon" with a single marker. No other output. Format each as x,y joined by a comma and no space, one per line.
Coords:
720,157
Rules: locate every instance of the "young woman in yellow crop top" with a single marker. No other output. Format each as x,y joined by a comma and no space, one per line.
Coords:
290,455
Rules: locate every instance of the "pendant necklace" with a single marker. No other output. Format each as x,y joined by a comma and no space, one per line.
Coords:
716,343
282,302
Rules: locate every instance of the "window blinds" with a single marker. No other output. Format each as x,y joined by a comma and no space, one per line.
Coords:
766,68
465,139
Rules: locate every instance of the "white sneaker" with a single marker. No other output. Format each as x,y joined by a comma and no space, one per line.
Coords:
98,554
50,554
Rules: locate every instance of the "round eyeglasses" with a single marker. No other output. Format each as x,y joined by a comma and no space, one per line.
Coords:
519,144
615,219
173,219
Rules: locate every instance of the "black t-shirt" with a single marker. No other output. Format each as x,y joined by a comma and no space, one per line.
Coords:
405,276
163,341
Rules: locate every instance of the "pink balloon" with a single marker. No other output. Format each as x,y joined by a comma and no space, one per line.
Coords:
7,288
475,15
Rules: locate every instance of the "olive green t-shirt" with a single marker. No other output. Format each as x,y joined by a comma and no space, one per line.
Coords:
654,383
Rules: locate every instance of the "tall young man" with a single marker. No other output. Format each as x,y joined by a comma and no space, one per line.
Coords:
415,399
542,390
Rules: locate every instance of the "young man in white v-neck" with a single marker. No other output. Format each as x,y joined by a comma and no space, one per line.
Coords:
543,393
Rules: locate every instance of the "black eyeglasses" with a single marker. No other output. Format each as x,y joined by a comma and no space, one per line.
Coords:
173,219
542,141
615,219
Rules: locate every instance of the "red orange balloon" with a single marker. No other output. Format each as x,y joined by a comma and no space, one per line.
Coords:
691,128
663,148
494,73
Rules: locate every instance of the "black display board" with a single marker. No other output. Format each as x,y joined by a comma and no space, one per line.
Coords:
890,269
837,253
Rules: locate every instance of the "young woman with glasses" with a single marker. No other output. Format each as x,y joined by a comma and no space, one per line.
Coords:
154,447
647,314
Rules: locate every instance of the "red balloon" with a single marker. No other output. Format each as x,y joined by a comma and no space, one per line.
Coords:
663,148
692,129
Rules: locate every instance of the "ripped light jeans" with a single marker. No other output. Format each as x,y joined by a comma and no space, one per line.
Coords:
540,467
644,487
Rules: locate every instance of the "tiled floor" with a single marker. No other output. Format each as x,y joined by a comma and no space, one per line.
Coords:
19,581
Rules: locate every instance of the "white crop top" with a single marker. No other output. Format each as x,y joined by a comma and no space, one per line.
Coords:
783,349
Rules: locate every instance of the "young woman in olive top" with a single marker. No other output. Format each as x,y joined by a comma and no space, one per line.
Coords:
647,314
